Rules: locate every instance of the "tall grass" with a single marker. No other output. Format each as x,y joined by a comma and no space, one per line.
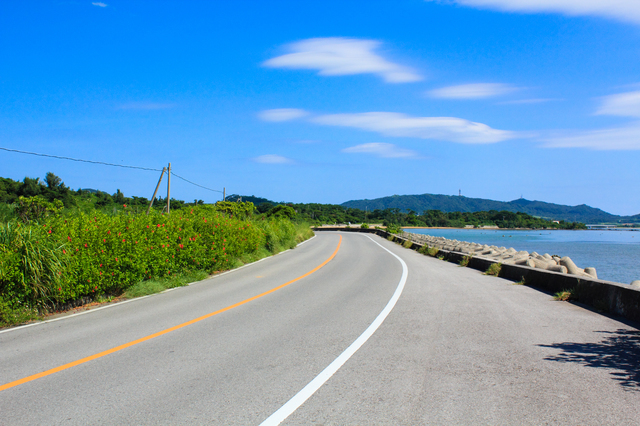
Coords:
31,265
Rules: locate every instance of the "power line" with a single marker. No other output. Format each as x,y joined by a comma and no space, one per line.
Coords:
193,183
106,164
79,160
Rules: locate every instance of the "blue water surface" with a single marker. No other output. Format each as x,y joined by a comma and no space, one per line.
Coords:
614,253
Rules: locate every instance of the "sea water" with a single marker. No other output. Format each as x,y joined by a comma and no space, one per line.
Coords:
614,253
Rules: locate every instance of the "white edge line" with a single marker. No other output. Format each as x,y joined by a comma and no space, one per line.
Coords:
143,297
305,393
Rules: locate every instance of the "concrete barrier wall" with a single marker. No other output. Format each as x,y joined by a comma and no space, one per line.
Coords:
605,296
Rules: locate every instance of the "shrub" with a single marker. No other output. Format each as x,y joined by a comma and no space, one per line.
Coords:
364,226
563,295
464,262
85,255
36,208
239,209
407,244
433,251
394,229
494,269
282,211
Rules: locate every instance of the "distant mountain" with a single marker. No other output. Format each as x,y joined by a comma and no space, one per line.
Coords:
452,203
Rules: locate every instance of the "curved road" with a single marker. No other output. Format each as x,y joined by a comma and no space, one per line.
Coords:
458,347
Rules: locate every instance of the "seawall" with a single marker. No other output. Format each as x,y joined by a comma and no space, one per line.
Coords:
605,296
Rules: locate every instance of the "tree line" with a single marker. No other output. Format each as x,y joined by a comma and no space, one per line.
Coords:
52,188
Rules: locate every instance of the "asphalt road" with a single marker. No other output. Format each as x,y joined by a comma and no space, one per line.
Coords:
458,347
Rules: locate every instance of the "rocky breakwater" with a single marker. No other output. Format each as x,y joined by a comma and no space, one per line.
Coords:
504,255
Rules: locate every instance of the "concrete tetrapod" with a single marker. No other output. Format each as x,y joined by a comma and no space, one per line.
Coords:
504,255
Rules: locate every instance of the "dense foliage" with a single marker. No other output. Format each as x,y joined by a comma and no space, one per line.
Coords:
52,189
58,245
330,214
67,257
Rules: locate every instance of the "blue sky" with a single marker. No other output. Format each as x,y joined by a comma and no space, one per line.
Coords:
328,101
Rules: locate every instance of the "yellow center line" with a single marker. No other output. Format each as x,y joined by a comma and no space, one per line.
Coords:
160,333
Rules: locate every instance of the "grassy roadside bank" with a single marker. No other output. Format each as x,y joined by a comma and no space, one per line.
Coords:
68,261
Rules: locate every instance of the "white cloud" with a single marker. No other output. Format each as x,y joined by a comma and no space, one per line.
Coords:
146,105
282,114
623,10
272,159
99,4
385,150
342,56
440,128
472,91
618,138
622,104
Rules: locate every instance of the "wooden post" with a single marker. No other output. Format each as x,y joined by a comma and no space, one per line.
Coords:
224,194
169,189
156,191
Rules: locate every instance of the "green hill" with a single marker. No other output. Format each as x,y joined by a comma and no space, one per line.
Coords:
452,203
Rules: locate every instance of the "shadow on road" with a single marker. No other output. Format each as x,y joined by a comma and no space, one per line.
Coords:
618,351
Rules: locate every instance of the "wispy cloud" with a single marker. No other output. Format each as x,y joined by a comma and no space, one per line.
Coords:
99,4
622,104
145,105
379,149
401,125
272,159
626,137
620,138
472,91
282,114
623,10
342,56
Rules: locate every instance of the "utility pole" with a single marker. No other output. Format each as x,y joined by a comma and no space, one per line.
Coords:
224,194
169,188
164,169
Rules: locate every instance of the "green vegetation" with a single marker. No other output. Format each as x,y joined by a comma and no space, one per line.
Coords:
464,262
494,269
407,244
394,218
143,288
428,251
521,282
453,203
454,215
52,256
564,295
52,189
